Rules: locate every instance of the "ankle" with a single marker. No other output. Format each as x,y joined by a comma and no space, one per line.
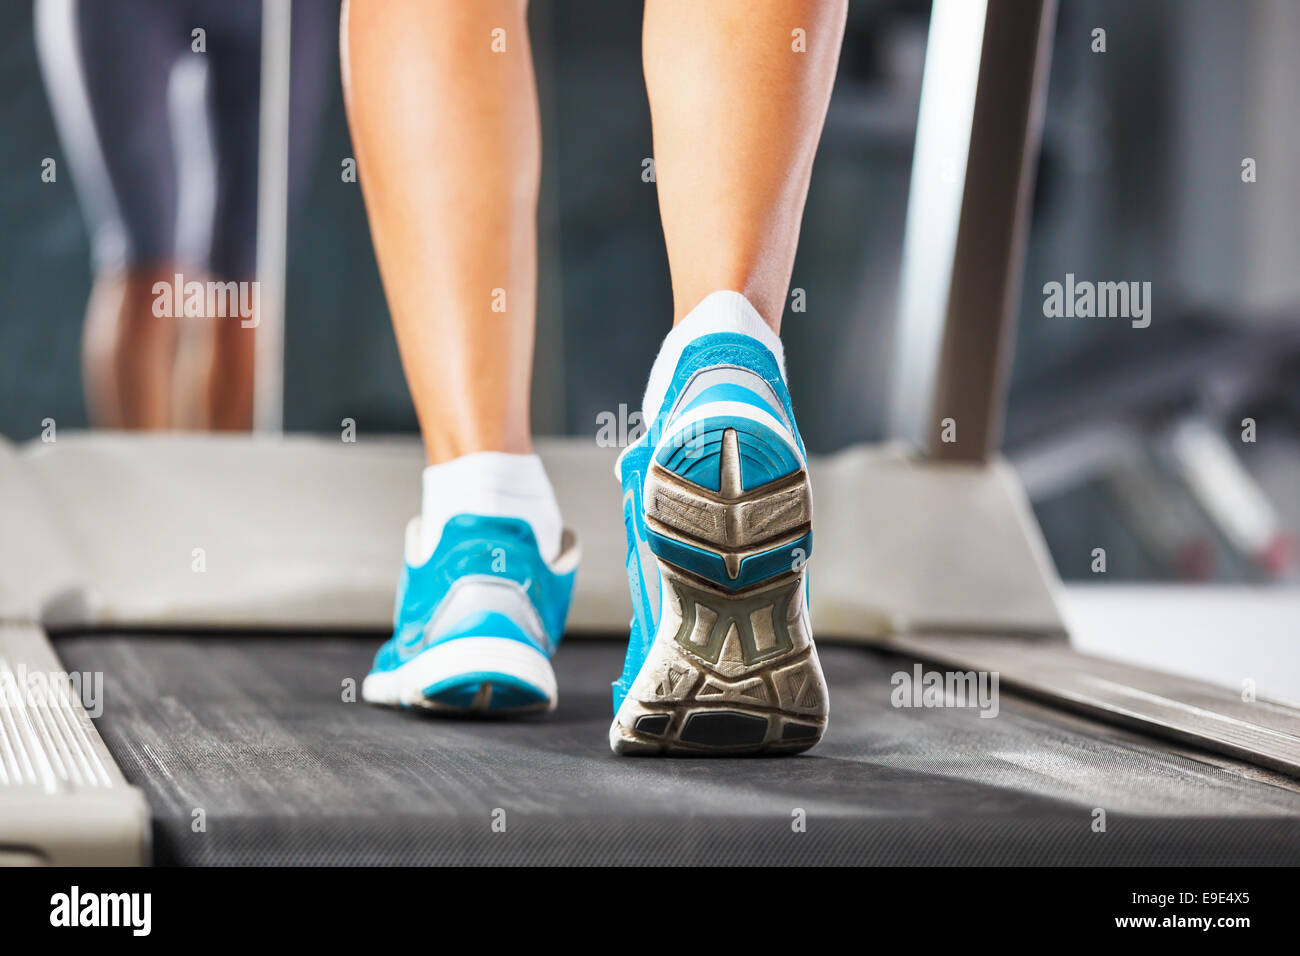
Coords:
722,311
493,484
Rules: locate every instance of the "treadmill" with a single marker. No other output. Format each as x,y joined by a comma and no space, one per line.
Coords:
185,622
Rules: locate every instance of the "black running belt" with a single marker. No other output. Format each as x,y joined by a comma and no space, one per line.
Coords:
249,754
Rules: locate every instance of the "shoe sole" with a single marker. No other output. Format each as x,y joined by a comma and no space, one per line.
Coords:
733,669
469,676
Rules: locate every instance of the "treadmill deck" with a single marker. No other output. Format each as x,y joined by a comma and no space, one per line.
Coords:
248,754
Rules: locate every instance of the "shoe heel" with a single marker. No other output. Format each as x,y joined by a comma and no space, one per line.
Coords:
733,669
722,508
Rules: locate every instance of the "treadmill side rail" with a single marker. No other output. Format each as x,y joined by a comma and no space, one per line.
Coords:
63,801
1262,732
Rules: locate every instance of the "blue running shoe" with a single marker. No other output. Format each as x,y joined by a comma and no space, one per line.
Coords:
477,623
718,512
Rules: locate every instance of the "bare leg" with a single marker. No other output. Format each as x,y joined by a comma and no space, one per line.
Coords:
230,376
448,148
737,113
128,352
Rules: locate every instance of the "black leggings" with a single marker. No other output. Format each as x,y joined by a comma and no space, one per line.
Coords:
163,176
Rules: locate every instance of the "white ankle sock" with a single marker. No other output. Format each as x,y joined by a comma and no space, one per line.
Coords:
491,483
719,312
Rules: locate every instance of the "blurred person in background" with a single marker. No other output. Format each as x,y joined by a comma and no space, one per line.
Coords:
156,103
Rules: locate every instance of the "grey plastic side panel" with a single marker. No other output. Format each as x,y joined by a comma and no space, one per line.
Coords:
302,532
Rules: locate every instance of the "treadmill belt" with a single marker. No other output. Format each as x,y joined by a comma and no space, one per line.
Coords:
248,754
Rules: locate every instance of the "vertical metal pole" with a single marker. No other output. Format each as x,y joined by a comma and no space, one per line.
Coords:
272,217
977,141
